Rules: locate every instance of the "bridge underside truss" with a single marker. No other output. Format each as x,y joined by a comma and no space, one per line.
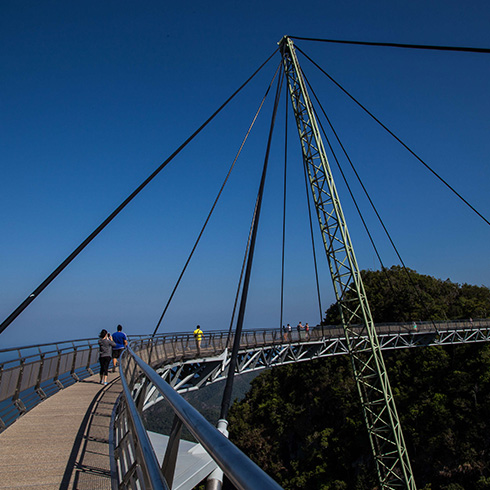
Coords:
191,374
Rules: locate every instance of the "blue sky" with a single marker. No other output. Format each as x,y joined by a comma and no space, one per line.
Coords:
95,95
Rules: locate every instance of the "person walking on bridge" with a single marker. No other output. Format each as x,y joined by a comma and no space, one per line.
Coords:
105,354
198,334
121,341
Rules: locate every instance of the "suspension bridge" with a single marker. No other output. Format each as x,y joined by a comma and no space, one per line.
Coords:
80,425
96,435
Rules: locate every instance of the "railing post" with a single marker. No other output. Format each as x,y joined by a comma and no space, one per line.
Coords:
88,368
173,348
215,479
140,401
38,388
170,458
19,380
2,423
17,401
73,364
151,344
56,376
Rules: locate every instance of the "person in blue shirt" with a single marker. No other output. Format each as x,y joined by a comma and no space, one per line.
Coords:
121,341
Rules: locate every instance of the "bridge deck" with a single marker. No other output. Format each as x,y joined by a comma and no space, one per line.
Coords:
63,442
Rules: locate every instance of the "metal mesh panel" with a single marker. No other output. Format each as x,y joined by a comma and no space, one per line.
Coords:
49,370
82,358
30,375
66,362
94,357
9,382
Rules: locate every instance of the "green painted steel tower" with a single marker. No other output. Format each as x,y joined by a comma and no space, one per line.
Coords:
380,414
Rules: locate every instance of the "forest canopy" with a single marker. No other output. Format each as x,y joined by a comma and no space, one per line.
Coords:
303,424
402,295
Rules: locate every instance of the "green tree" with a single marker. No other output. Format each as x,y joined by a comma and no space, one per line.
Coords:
402,295
302,423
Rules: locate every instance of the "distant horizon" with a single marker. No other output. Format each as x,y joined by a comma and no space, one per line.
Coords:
97,96
189,331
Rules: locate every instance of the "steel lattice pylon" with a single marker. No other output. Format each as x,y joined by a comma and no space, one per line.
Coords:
380,414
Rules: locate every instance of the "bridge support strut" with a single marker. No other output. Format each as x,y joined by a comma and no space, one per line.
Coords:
380,414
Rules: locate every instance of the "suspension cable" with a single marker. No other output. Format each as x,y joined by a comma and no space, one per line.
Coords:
226,401
347,183
343,175
215,203
383,268
312,240
397,45
230,328
284,210
242,272
82,246
397,138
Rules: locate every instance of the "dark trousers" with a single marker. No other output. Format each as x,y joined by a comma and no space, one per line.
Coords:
104,365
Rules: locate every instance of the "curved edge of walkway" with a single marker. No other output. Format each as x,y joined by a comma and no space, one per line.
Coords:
64,441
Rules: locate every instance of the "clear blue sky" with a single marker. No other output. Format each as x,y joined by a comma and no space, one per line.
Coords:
95,95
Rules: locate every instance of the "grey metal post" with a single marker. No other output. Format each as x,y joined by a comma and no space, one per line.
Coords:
73,364
56,376
215,479
170,458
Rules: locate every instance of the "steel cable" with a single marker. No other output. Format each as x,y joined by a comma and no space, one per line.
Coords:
215,203
82,246
383,268
225,405
398,45
396,137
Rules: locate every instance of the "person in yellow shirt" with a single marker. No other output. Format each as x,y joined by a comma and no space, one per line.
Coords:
198,334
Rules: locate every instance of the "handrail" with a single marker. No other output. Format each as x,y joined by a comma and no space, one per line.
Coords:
241,471
30,374
147,455
214,333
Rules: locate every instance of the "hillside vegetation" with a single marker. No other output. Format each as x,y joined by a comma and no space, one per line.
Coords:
303,424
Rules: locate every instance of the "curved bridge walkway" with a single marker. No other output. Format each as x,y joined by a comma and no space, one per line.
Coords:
63,442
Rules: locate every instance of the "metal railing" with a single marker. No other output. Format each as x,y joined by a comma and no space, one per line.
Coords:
136,463
30,374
